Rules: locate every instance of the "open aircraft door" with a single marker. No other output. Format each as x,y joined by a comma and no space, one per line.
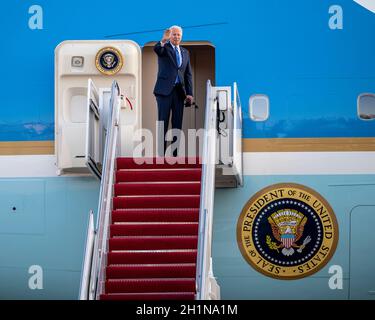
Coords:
229,137
99,109
94,145
237,136
77,61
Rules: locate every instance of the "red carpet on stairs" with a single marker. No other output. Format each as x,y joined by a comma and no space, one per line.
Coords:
154,230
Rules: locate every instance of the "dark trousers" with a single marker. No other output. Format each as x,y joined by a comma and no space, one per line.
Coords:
175,103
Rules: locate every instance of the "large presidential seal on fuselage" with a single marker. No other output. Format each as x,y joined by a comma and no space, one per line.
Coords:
109,61
287,231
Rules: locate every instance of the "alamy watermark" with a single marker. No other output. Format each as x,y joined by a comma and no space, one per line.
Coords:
36,18
336,20
189,146
36,280
335,282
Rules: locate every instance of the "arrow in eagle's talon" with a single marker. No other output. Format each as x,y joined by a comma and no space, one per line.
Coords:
305,242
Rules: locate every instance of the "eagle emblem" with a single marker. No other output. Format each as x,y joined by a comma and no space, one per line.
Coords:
287,228
109,60
283,233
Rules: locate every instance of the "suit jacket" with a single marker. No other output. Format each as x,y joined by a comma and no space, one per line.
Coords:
168,70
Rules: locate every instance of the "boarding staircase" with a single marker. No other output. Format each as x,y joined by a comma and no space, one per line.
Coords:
154,230
153,234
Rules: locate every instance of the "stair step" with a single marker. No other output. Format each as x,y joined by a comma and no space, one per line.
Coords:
149,163
179,270
180,201
150,285
149,296
152,256
153,242
156,215
157,188
148,175
154,229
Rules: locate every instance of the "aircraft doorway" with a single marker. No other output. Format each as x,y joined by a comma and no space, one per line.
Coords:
202,59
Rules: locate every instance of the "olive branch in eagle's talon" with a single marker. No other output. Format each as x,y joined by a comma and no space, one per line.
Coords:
272,245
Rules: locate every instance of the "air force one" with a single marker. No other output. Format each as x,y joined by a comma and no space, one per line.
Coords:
272,196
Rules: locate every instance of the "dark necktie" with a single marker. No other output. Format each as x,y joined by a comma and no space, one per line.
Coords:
178,59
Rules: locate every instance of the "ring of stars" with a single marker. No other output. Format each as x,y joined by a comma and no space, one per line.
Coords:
303,207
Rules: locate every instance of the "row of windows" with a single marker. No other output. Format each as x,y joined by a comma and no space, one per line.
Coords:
259,107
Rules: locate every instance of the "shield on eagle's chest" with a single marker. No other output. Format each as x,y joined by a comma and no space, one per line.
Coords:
287,240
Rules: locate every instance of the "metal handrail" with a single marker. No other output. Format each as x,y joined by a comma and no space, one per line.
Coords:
87,260
237,128
207,196
111,150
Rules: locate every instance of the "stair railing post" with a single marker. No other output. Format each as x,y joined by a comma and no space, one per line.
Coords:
104,207
207,196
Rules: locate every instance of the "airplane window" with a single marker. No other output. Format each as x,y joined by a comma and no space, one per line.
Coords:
366,106
259,105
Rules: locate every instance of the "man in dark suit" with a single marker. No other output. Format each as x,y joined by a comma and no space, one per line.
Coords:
174,85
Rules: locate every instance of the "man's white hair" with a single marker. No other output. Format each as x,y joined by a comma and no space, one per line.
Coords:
176,27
